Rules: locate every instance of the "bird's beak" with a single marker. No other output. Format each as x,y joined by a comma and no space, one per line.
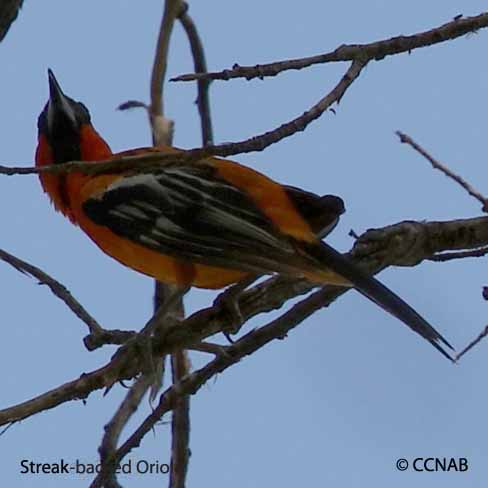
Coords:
59,106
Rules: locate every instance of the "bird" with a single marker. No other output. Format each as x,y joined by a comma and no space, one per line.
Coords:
208,224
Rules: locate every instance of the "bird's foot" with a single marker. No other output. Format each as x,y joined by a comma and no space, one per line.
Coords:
228,302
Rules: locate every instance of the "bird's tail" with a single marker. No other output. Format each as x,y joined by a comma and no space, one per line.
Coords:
340,271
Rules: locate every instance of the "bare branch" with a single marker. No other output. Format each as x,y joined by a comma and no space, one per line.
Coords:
410,242
245,346
473,343
200,64
151,159
132,104
161,134
113,336
157,159
114,428
180,423
209,347
449,256
374,251
262,141
162,130
371,51
171,10
404,138
57,289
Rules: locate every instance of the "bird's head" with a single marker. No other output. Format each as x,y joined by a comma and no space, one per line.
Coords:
65,133
65,130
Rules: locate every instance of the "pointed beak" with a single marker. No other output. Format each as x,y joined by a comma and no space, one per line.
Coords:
59,106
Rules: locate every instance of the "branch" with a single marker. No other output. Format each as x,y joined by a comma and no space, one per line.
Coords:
171,10
247,345
114,428
200,64
449,256
180,362
403,244
404,138
410,242
371,51
157,159
473,343
180,423
162,129
57,289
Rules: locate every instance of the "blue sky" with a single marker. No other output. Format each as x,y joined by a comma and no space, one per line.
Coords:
351,390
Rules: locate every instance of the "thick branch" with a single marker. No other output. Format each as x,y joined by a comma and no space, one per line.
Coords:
410,242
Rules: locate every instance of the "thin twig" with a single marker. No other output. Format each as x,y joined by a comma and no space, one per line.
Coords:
57,289
371,51
406,139
473,343
449,256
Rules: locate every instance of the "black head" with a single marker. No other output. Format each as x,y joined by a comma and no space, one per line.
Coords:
61,121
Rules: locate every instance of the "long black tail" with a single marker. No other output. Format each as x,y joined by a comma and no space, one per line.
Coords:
379,294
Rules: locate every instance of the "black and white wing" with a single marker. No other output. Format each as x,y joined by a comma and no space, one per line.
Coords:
189,212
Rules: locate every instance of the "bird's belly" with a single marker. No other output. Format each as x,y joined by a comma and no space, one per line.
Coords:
164,268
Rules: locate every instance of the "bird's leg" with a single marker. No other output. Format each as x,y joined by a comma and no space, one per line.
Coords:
228,301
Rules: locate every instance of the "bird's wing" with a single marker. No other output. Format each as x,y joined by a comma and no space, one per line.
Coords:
191,213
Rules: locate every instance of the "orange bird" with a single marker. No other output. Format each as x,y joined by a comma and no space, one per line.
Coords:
207,224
